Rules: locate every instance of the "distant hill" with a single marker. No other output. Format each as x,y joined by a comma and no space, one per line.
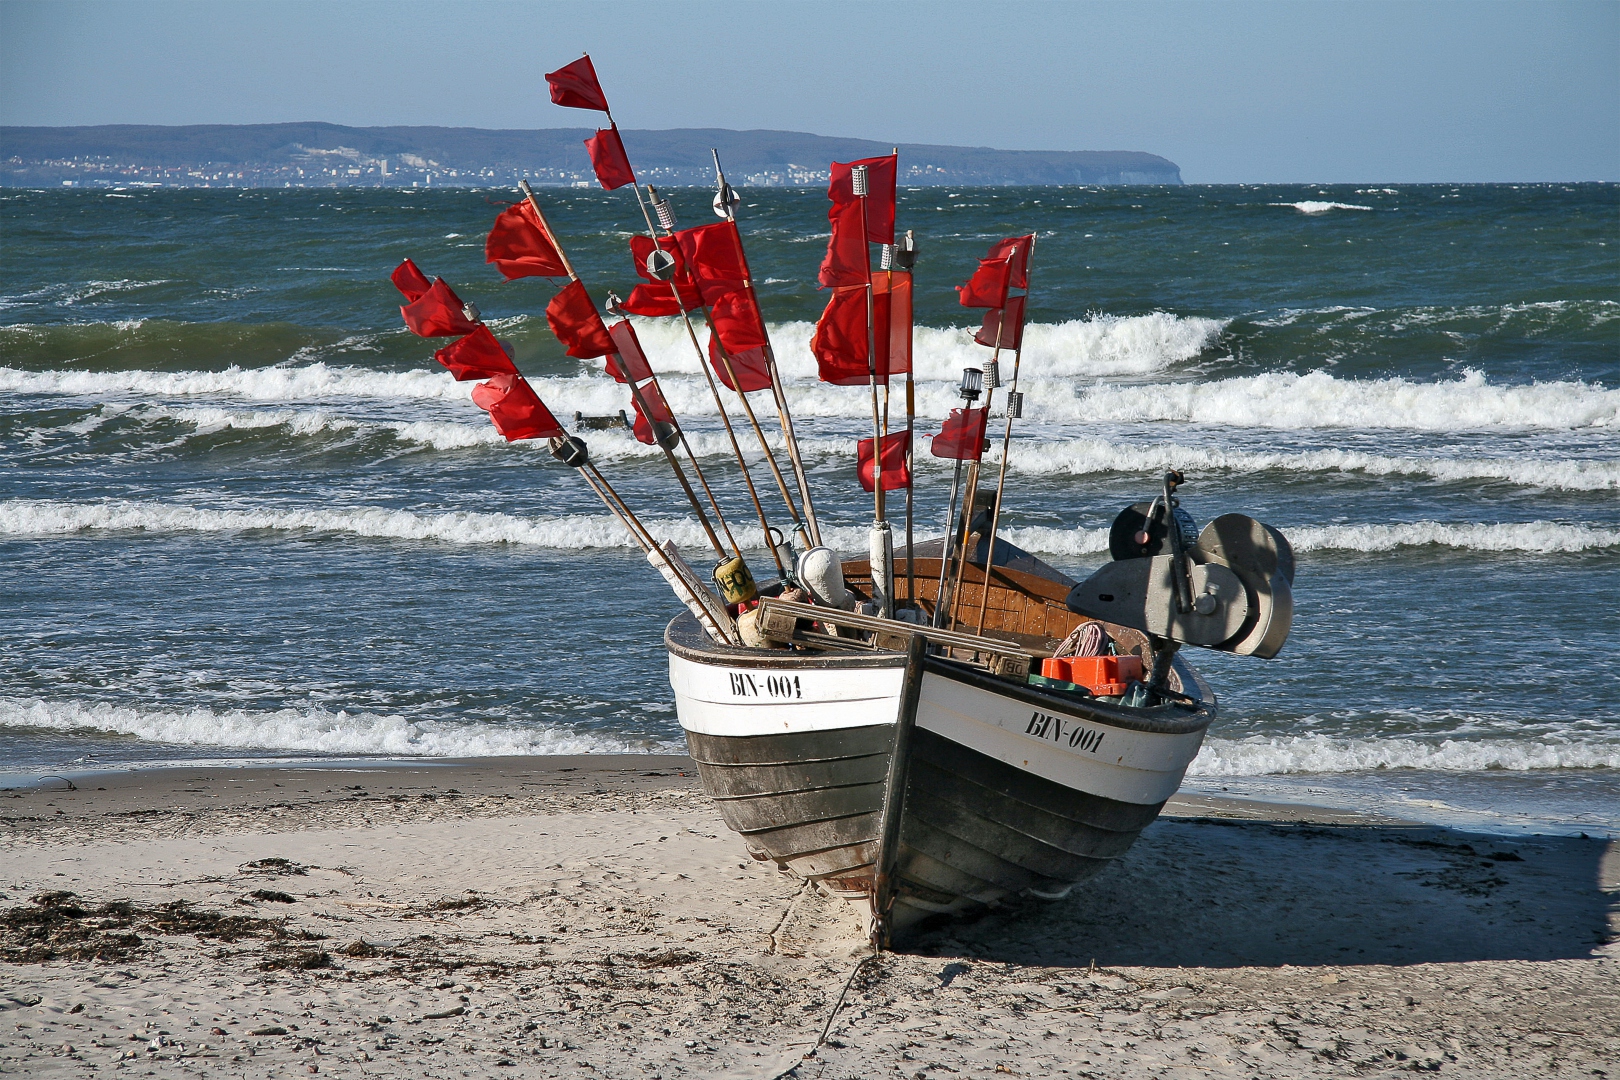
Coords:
323,155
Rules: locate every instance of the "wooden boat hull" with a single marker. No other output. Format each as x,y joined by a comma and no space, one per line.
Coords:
1011,789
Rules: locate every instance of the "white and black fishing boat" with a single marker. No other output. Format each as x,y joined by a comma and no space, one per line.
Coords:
927,732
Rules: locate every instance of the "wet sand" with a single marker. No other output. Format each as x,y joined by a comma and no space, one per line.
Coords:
592,916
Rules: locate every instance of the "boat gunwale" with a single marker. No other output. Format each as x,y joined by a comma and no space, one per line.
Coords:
699,648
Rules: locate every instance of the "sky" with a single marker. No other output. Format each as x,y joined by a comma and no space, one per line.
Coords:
1302,91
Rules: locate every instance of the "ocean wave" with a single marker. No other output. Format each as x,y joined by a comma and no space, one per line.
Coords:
1315,400
1312,206
308,729
1279,400
576,532
1079,457
1031,456
1271,755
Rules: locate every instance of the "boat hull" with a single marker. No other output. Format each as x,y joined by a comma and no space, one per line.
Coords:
1010,790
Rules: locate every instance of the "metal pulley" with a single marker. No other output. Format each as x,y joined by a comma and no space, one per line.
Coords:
857,180
1015,404
992,373
885,256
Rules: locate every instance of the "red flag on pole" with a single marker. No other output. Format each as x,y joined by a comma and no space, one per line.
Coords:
736,319
437,313
880,181
1010,322
988,285
575,86
408,279
517,411
656,405
892,307
1015,252
714,258
477,356
895,473
518,246
839,344
627,362
846,261
750,367
609,160
573,318
655,297
962,436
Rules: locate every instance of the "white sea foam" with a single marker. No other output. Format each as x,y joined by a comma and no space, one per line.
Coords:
1316,399
574,532
1282,400
307,729
1077,457
1268,755
1311,206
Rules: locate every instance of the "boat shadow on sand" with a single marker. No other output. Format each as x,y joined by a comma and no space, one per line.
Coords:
1205,892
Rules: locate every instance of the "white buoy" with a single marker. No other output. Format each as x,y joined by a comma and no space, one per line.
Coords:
822,572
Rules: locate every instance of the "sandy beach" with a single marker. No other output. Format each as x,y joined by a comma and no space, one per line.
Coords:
591,916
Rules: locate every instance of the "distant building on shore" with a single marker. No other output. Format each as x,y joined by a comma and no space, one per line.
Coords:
329,155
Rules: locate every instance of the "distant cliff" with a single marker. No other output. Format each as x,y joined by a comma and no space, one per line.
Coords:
327,155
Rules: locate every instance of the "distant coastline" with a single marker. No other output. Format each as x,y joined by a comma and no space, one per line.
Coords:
331,155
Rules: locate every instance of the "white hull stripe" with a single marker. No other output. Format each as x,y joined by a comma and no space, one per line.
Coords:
711,699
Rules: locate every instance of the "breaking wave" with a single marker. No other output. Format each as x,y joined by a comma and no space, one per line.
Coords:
1311,206
1279,400
308,729
574,532
1261,755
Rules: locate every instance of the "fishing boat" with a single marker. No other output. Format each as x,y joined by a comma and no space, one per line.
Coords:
942,725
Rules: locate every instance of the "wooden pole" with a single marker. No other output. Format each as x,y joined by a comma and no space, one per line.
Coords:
1006,437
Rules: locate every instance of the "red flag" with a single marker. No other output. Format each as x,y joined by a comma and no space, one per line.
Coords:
750,367
410,280
477,356
516,409
575,86
839,344
880,179
895,473
573,318
518,246
714,258
736,319
627,356
656,405
847,261
1009,320
437,313
894,317
609,160
1015,252
988,285
962,436
655,297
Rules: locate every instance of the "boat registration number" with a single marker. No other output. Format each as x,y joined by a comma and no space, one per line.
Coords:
1055,728
777,686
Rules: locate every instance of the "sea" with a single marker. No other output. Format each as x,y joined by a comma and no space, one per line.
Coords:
245,517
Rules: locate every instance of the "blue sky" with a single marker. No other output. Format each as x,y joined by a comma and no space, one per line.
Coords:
1232,92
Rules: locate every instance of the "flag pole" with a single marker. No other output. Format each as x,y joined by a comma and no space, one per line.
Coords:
724,205
859,184
972,383
666,219
641,403
906,255
1014,406
971,498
